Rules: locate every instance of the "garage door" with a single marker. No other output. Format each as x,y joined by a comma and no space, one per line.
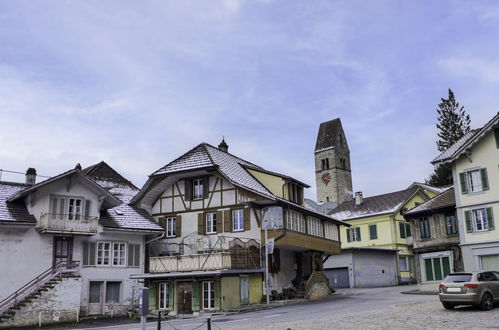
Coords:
338,277
490,262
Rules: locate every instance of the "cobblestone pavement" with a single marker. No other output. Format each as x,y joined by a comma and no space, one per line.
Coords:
428,315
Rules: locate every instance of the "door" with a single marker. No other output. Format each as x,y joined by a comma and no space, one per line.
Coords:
95,299
63,249
184,297
338,277
244,289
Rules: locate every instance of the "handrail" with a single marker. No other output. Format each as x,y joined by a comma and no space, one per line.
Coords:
37,282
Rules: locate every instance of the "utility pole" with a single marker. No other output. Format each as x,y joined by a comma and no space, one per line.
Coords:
266,268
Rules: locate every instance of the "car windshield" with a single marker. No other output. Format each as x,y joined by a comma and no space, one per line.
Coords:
457,278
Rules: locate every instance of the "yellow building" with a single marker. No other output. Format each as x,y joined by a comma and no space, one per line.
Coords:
378,222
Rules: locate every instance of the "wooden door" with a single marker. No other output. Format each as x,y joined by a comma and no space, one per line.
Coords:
95,297
244,279
63,249
184,298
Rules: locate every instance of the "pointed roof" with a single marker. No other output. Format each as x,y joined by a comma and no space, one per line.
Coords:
329,135
374,205
103,172
13,212
443,201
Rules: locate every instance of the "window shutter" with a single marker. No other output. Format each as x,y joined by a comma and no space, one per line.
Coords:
201,224
178,226
247,220
91,253
496,133
87,208
85,253
188,189
469,226
349,239
462,179
490,218
218,221
358,233
171,296
62,209
206,187
408,230
227,221
136,256
162,222
485,181
130,253
422,228
402,230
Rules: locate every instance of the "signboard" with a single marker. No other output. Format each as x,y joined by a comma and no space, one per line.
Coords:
270,245
272,218
144,301
57,315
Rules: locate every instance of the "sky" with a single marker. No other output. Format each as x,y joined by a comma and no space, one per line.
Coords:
138,83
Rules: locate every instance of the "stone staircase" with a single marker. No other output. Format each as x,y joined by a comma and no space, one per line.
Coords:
300,290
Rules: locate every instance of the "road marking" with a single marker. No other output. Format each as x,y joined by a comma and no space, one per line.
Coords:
274,315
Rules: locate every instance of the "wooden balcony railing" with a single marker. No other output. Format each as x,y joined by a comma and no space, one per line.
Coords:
68,224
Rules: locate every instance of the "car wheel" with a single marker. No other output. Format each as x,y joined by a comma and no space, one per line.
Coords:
487,302
447,305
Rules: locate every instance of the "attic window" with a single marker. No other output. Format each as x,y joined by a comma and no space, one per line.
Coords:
295,193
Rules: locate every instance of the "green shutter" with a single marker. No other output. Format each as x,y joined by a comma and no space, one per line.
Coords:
496,133
217,294
467,216
171,296
402,230
408,230
196,296
429,269
490,218
485,181
462,179
358,233
446,266
438,269
349,238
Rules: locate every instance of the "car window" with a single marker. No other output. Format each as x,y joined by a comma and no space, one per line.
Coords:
496,275
457,278
486,276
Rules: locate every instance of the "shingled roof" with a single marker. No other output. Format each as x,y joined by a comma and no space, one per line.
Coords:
374,205
13,212
328,133
443,201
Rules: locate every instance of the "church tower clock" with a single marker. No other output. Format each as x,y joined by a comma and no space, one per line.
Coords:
333,173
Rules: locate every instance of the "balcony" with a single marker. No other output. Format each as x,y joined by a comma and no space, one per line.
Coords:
68,224
296,240
207,261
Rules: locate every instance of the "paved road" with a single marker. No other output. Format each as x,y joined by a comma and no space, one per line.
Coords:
346,301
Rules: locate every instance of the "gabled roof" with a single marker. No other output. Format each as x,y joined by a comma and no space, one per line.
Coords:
328,134
466,142
13,212
437,190
374,205
103,172
443,201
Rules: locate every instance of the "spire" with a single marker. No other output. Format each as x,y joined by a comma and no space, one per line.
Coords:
223,146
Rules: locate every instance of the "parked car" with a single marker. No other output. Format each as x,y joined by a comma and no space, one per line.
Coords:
473,288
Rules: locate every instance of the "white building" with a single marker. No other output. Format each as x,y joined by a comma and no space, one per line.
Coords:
69,245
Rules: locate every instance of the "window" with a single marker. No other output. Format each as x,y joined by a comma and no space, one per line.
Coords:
330,231
450,223
325,163
113,292
474,180
489,261
163,296
437,268
74,210
314,227
170,227
238,220
479,220
211,223
119,254
103,253
295,221
295,193
208,295
353,234
405,230
71,208
133,255
424,227
373,232
197,189
403,264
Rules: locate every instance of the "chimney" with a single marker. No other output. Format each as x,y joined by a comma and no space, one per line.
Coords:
223,146
358,198
31,176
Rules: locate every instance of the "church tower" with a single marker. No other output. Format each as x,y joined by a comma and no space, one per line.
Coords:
333,173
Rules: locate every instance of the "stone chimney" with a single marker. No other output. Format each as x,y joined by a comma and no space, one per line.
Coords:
223,146
359,200
31,176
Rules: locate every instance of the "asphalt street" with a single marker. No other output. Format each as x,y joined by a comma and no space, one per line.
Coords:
344,302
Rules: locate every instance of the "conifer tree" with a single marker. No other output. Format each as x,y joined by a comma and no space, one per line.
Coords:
453,123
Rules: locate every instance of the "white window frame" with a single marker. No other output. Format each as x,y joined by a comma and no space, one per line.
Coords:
65,207
163,295
238,220
435,255
75,210
314,227
119,254
331,231
355,238
406,263
295,221
104,253
115,252
211,223
474,180
197,189
171,227
479,217
210,292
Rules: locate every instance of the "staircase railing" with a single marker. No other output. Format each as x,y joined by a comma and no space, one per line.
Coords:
62,267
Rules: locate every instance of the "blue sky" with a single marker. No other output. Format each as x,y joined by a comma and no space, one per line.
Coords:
138,83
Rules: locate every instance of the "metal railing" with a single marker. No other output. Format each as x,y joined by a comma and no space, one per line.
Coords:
72,223
32,286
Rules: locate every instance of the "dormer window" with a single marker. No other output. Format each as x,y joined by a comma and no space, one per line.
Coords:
70,208
295,193
196,188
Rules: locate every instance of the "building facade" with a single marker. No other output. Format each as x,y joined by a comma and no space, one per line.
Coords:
475,159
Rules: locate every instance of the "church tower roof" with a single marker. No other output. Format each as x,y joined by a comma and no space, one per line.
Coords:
330,135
